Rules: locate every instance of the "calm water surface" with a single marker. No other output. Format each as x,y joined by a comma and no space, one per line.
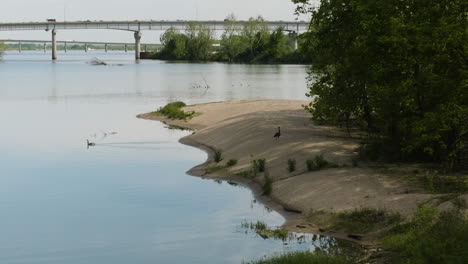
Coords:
127,200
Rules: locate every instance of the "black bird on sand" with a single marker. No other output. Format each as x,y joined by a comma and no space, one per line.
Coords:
278,134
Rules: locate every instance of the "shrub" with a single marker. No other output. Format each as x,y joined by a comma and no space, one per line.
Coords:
430,238
218,156
267,186
258,166
317,163
231,162
291,165
174,111
364,220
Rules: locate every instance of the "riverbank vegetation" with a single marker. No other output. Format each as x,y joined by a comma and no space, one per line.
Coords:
303,257
248,43
396,70
2,49
174,111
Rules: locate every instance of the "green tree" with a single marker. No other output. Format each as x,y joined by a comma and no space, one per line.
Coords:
255,34
232,43
397,67
174,45
199,42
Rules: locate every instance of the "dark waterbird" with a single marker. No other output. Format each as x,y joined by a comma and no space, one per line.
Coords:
278,134
90,144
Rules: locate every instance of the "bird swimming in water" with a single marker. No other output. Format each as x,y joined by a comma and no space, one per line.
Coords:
278,134
90,144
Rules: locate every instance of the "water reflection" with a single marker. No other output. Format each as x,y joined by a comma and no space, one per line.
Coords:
127,199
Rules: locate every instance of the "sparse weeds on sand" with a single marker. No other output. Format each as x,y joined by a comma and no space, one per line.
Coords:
303,257
267,186
364,220
174,111
231,162
317,163
291,165
258,166
218,156
264,231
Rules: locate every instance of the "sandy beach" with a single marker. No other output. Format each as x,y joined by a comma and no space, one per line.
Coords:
243,130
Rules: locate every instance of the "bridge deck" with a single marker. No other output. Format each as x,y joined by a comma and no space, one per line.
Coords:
161,25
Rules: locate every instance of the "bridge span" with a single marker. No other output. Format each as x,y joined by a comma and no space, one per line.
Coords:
137,26
85,44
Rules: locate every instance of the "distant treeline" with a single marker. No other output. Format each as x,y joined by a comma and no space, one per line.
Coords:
249,43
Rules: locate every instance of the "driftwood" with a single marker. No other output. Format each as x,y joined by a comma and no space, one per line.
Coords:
288,208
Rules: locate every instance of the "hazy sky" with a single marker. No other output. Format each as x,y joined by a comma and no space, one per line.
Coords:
39,10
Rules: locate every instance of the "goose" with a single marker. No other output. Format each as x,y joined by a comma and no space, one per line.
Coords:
278,134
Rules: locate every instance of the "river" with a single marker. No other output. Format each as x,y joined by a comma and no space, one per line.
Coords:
128,199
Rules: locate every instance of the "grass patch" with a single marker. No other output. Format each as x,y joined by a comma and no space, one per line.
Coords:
215,168
267,186
218,156
174,111
244,173
317,163
291,165
430,238
436,183
258,166
303,257
364,220
264,231
231,162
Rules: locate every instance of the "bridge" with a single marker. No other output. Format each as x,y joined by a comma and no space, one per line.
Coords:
85,44
137,26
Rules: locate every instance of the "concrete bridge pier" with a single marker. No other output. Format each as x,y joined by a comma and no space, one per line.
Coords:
45,47
293,39
137,44
86,47
105,47
19,46
126,49
65,47
54,44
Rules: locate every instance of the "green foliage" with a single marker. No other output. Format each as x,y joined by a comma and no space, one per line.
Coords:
174,111
291,165
364,220
2,49
437,183
195,44
430,238
251,42
174,45
199,42
231,162
317,163
258,166
264,231
267,186
396,68
218,156
303,257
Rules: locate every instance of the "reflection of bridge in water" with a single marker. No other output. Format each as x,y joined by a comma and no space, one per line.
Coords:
85,44
137,26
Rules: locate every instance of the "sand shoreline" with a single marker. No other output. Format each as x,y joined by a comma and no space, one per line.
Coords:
243,130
